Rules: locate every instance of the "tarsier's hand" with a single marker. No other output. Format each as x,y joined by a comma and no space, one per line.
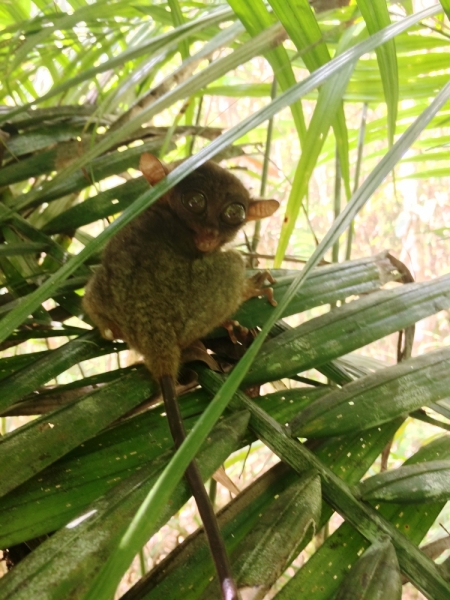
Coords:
253,287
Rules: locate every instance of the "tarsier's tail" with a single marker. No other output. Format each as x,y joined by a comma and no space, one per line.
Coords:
216,543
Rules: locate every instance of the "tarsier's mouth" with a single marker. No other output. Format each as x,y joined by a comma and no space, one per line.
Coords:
207,243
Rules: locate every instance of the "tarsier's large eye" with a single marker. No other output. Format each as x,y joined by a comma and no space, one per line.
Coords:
234,214
194,201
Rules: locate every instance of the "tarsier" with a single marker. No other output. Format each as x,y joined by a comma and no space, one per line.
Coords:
165,281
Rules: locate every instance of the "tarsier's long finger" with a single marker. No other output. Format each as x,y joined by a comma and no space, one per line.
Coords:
261,278
268,277
268,291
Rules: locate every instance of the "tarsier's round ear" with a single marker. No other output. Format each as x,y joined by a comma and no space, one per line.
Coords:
259,209
152,168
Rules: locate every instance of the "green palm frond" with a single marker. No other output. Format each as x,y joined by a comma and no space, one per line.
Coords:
86,89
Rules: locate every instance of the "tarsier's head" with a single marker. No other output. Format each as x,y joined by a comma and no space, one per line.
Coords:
211,202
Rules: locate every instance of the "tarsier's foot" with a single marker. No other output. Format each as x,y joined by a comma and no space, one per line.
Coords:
236,331
253,287
111,332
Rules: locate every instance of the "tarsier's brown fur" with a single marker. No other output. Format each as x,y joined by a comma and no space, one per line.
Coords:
155,288
165,281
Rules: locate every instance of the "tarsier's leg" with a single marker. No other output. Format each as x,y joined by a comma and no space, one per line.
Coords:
108,329
253,287
96,311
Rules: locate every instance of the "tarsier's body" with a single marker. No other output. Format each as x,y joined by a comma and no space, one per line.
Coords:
165,281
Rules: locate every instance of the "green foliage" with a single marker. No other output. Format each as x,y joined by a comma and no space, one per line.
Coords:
85,91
